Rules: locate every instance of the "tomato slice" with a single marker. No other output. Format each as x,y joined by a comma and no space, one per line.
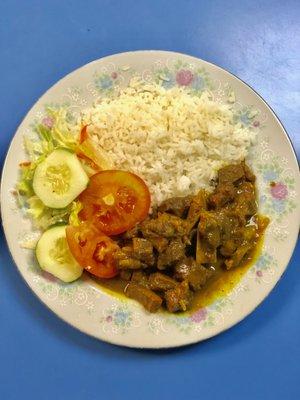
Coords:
115,201
93,250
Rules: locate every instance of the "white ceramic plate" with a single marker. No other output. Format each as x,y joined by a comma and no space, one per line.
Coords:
83,304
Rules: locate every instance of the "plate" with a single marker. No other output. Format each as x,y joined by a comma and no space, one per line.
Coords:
85,305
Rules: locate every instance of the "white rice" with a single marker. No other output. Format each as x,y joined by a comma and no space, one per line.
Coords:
174,140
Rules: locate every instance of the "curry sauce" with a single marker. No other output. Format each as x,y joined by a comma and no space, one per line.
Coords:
223,282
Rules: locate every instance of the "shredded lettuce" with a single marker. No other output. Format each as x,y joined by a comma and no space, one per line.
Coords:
39,145
49,138
45,139
44,217
24,186
36,207
61,134
76,207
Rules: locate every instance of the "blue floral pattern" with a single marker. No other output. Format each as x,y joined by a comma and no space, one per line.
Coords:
202,318
197,80
246,117
104,82
181,74
119,318
277,198
263,266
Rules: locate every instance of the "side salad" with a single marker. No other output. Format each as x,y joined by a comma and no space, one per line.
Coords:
74,196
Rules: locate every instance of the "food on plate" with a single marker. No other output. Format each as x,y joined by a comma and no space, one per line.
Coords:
147,191
92,249
174,140
59,179
54,256
93,158
115,201
185,242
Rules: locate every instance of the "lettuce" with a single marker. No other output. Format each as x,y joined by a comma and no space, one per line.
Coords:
43,217
24,186
76,207
46,138
61,133
38,146
36,207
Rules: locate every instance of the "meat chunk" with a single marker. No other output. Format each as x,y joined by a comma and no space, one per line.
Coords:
262,222
150,300
161,282
130,263
165,225
230,223
228,248
238,256
140,278
247,237
174,252
198,204
248,173
208,238
205,254
231,173
159,243
143,250
246,200
125,260
179,298
137,255
209,228
133,232
176,205
224,193
196,275
249,233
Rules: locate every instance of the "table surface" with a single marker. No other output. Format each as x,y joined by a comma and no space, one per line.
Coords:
42,357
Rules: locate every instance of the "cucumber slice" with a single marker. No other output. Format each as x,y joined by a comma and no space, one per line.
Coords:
54,256
59,179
